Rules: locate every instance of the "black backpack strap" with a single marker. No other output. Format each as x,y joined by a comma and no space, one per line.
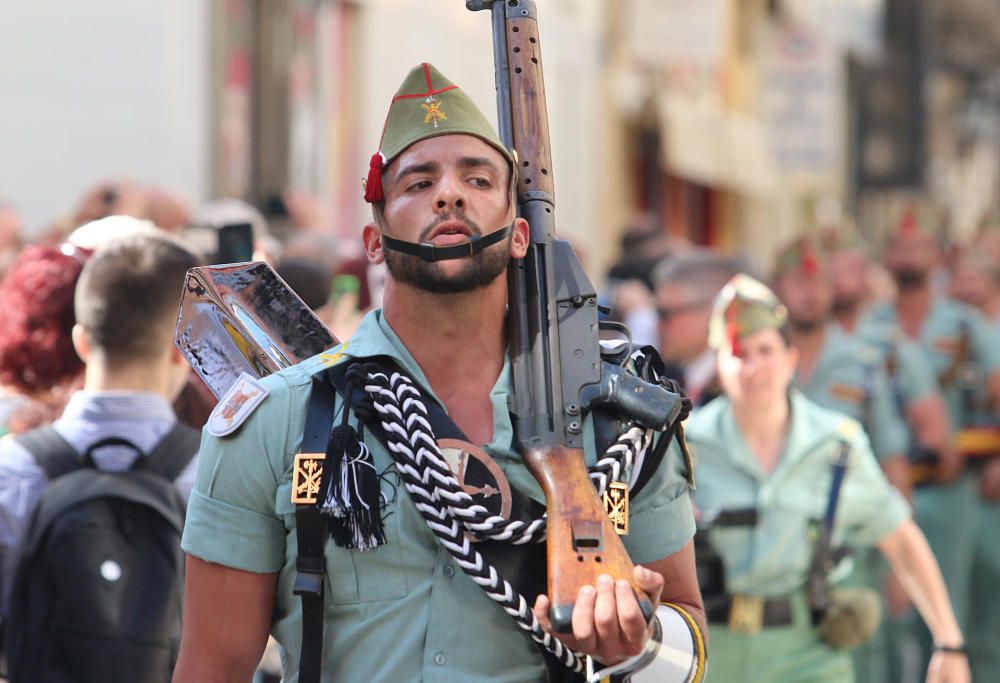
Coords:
311,533
174,452
51,452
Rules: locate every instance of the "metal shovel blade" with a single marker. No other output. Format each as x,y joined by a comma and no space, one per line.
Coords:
243,318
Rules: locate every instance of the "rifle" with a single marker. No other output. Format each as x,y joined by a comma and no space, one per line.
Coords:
558,373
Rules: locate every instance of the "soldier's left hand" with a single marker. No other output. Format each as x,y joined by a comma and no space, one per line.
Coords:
607,622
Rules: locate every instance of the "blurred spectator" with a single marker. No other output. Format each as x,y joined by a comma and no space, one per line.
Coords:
220,212
167,209
97,233
125,305
686,285
110,198
644,244
38,365
321,249
10,237
195,402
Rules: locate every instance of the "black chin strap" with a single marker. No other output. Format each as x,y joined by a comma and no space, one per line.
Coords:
431,252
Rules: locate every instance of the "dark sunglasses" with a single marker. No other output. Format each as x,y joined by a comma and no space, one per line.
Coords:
667,312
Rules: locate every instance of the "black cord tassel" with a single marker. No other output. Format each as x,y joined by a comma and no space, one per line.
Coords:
350,493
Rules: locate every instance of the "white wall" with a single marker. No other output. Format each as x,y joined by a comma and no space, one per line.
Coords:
98,89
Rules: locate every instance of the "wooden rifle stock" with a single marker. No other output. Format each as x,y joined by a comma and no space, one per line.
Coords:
553,325
582,542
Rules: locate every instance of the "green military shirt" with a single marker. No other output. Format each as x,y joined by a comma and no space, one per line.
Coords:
949,327
404,611
848,377
906,365
772,558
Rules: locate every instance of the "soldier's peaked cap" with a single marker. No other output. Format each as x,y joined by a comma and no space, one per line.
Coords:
743,307
426,105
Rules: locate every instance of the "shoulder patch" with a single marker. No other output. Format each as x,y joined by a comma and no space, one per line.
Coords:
847,392
235,407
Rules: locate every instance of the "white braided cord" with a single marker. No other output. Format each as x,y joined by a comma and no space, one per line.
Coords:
454,516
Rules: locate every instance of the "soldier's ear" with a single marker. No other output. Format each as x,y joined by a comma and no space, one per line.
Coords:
80,342
520,238
371,236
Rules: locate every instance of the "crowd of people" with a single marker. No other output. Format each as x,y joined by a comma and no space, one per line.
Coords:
844,434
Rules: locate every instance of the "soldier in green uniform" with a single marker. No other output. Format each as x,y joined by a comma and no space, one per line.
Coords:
913,382
976,281
914,390
841,372
766,448
967,361
396,605
836,370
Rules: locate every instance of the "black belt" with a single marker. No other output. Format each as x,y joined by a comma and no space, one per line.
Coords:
777,611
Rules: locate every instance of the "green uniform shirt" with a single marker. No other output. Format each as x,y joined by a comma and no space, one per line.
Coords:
772,558
404,611
848,377
949,326
906,365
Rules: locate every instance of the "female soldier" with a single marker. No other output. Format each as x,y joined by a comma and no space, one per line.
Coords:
773,462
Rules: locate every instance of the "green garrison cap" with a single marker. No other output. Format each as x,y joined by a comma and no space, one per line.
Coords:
426,105
834,239
743,307
801,255
918,221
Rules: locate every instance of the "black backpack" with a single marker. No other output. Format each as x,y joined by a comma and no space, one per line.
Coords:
96,596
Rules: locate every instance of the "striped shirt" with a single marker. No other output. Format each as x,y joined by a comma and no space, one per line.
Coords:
90,416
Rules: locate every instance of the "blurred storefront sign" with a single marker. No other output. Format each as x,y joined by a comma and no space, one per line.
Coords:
803,97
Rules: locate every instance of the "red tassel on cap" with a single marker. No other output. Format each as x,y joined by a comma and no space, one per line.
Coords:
373,186
810,264
733,332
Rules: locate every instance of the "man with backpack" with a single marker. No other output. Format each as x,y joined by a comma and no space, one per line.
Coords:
91,506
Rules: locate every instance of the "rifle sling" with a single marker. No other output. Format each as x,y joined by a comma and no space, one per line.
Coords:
311,533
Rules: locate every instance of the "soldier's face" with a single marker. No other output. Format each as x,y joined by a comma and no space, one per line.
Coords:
808,297
848,278
444,190
911,257
970,283
761,370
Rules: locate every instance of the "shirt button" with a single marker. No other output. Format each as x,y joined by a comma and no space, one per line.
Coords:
449,571
439,659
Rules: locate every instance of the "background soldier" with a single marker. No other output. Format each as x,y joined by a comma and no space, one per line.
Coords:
963,355
766,448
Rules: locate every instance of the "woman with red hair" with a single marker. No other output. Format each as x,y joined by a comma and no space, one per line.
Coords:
38,364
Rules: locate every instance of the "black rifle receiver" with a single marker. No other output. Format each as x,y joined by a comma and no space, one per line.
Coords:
558,373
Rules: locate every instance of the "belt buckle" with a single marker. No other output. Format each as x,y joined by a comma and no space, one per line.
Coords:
746,614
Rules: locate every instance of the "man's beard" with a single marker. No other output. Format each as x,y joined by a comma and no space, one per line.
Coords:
845,304
910,278
478,270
